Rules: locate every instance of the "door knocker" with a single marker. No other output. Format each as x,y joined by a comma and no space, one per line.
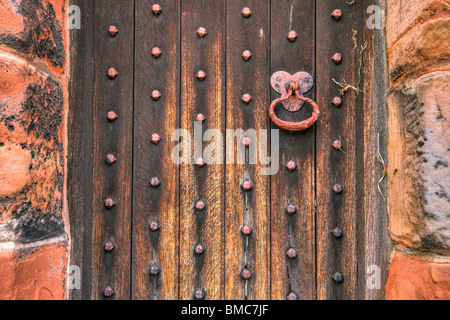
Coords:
292,89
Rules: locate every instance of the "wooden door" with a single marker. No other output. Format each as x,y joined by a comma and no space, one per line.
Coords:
146,227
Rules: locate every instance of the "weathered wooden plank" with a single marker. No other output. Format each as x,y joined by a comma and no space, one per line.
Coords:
205,227
79,157
250,208
112,269
297,188
333,166
374,250
152,158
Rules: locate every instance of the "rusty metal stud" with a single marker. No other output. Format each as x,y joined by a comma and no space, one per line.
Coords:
108,292
156,95
110,159
154,226
291,166
113,31
156,138
200,294
336,15
247,185
246,55
338,277
156,52
202,32
292,296
246,12
200,117
246,98
156,8
109,203
199,249
246,230
246,274
112,73
154,270
112,116
291,209
337,144
292,35
109,246
337,101
155,182
337,58
292,253
337,188
200,205
200,162
337,233
201,75
246,142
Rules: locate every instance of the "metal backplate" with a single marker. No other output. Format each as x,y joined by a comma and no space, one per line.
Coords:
280,81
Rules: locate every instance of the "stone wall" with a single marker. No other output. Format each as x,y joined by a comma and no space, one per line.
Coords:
33,245
418,40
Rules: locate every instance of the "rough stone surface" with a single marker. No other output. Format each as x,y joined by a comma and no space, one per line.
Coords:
35,28
402,15
418,278
31,146
419,163
34,273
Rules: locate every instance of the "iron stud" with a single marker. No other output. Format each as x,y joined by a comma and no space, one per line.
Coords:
337,188
291,166
156,138
337,101
291,209
246,12
292,296
337,233
201,75
113,31
109,203
246,98
156,52
337,144
109,246
200,117
108,292
200,294
292,35
246,142
200,205
246,185
336,14
246,230
154,226
156,8
337,58
246,274
156,95
338,277
199,249
292,253
200,162
246,55
112,73
202,32
155,182
154,270
110,159
112,116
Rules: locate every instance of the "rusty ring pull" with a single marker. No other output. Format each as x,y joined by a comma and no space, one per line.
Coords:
294,126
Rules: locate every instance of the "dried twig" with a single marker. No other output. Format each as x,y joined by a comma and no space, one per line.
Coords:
380,159
350,2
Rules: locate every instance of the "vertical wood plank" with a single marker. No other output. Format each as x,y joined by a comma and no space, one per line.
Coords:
297,188
336,167
152,158
112,269
253,207
80,137
205,271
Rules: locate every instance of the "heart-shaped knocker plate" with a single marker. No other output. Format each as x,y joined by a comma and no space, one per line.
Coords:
280,83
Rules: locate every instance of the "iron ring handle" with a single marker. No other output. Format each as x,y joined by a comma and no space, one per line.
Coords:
294,126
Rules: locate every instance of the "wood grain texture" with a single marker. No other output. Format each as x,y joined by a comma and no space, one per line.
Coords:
154,159
337,210
204,271
112,269
297,187
253,207
80,152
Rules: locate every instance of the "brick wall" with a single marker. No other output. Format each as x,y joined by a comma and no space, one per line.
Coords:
418,40
33,245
